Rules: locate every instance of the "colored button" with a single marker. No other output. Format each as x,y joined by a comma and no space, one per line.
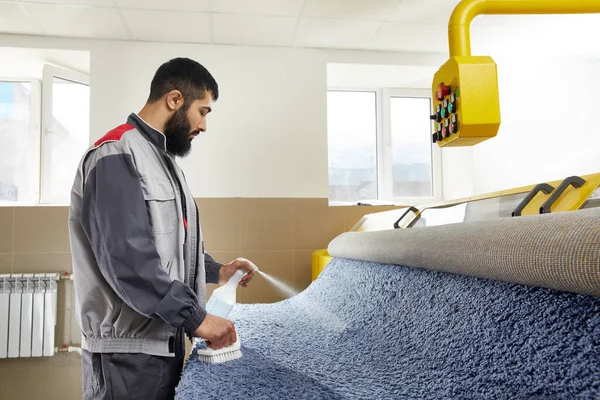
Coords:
442,91
452,104
453,124
438,113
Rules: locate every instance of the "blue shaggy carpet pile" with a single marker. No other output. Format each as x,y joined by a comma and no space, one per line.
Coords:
376,331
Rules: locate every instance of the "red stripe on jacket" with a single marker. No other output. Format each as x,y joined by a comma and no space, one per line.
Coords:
114,135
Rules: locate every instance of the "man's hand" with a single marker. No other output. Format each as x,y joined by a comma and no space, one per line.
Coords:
228,270
218,332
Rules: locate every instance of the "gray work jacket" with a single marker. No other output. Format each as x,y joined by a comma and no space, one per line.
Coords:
139,266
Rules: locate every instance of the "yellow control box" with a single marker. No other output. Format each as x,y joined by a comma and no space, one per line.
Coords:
465,101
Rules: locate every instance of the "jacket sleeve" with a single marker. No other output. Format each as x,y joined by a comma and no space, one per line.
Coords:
116,222
212,268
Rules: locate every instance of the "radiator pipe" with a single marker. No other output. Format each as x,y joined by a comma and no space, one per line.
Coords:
68,349
67,276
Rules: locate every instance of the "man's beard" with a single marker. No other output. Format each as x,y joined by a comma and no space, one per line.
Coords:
178,131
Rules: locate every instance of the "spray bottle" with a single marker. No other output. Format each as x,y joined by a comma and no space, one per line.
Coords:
223,298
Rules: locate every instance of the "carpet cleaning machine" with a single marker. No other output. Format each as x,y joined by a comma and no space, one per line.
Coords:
466,111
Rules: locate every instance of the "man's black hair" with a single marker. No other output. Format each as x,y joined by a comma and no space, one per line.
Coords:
187,76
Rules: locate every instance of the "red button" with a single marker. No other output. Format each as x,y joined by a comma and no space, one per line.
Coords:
442,91
444,132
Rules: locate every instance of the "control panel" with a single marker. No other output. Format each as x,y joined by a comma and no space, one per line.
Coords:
466,101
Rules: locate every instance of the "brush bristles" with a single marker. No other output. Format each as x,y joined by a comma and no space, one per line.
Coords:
220,358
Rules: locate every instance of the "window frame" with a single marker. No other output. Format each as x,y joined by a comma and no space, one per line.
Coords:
436,151
34,160
50,72
40,118
384,146
378,136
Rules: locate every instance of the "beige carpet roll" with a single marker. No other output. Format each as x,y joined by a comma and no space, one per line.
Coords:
558,251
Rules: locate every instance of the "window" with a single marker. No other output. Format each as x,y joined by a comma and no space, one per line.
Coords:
17,138
352,140
411,147
44,131
65,131
380,148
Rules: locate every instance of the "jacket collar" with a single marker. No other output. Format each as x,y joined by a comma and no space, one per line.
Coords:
154,136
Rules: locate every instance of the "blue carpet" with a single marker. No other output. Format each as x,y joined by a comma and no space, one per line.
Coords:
374,331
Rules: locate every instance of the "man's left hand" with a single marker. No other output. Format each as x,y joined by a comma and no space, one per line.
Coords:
228,270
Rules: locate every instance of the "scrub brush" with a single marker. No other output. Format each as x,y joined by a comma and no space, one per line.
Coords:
223,355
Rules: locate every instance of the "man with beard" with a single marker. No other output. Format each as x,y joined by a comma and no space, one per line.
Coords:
139,263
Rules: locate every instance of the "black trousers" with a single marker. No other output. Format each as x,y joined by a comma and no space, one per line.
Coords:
116,376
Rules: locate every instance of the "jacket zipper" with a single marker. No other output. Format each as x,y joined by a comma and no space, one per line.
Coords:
184,207
198,241
183,200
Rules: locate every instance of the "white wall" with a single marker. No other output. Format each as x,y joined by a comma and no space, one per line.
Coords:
457,172
267,134
368,76
266,126
549,126
29,63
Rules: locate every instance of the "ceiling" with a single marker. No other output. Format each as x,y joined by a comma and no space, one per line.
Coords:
396,25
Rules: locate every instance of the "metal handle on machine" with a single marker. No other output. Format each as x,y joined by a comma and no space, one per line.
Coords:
460,20
541,187
574,181
409,209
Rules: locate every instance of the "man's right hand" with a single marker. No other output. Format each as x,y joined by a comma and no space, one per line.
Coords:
218,332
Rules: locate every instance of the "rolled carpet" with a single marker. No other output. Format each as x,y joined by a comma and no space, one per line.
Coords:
365,330
558,251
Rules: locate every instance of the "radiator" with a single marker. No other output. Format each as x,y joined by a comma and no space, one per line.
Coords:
28,304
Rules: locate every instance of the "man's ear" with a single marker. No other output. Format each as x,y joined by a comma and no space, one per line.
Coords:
174,100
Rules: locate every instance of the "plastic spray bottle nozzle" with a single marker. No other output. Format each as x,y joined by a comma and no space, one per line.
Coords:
249,262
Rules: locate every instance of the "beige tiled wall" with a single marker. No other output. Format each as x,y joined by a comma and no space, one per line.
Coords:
279,235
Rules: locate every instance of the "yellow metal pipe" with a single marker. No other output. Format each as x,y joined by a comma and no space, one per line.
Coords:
460,21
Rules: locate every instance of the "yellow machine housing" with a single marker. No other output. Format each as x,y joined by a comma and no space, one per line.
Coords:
465,100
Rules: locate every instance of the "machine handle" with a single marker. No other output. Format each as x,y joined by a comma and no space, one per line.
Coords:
409,209
541,187
459,33
574,181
